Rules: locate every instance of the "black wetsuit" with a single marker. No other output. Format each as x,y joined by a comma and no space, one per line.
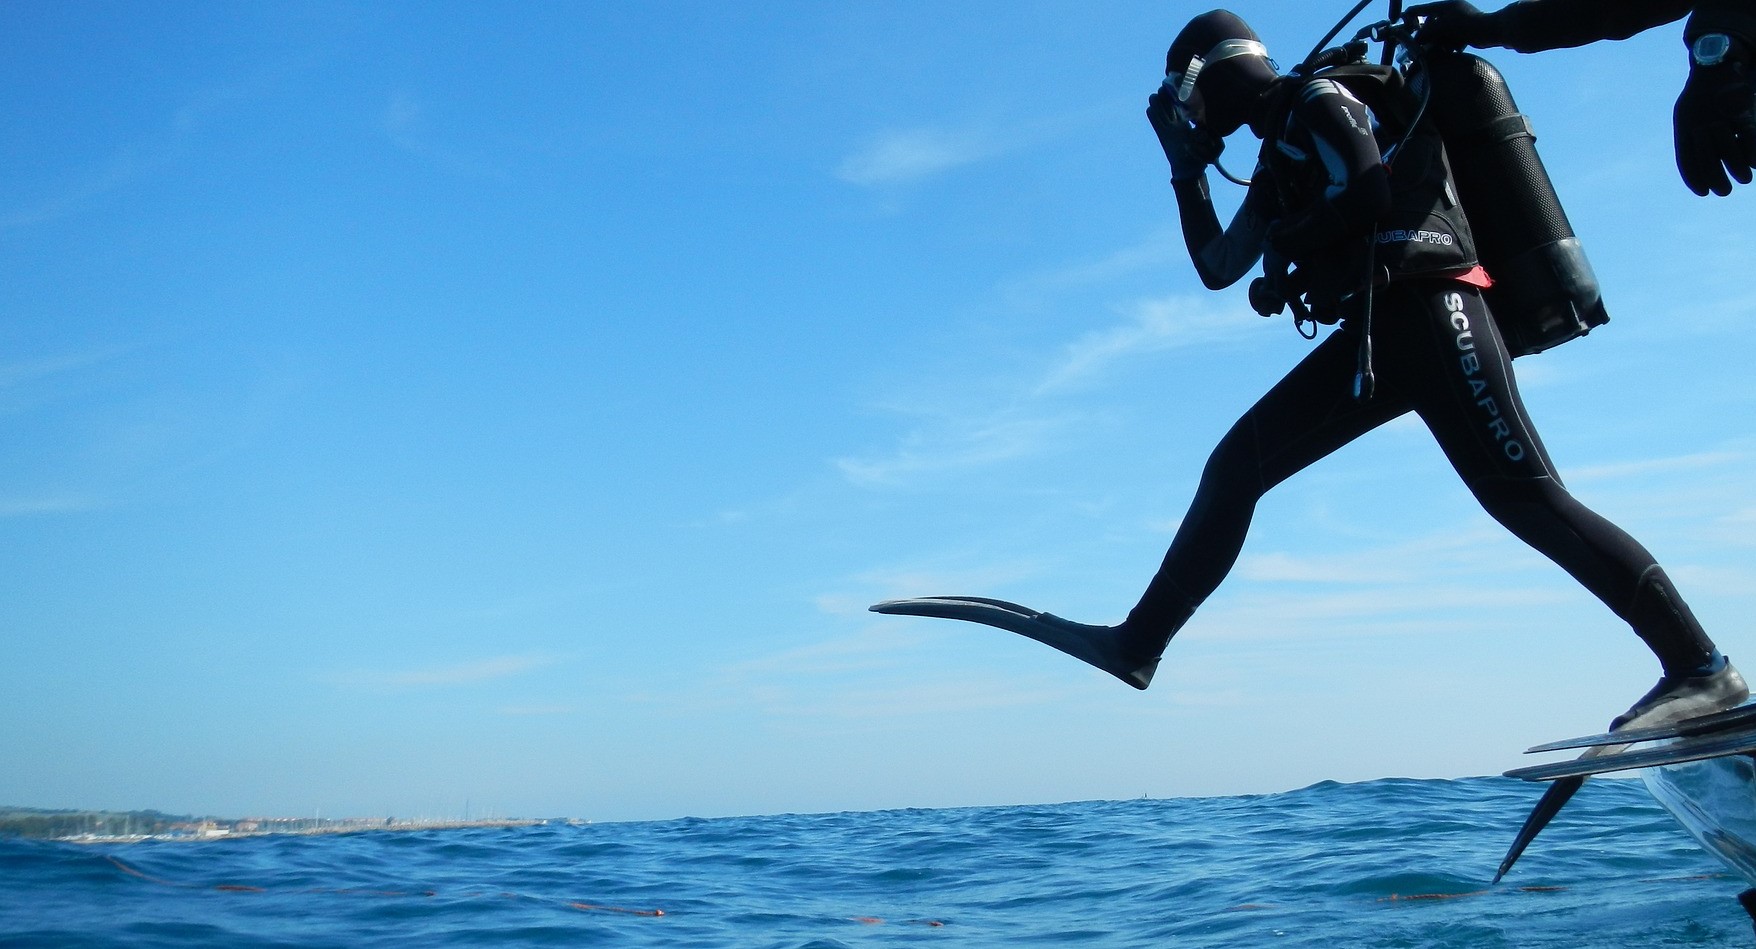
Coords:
1437,353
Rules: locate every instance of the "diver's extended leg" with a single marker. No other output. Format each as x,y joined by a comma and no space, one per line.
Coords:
1448,355
1452,362
1306,416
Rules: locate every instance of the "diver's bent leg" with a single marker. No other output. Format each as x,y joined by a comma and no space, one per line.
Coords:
1307,415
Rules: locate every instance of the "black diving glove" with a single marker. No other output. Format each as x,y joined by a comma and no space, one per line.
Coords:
1189,149
1280,287
1270,293
1715,124
1455,24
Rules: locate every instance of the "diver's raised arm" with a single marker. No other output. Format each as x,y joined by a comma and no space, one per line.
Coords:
1221,256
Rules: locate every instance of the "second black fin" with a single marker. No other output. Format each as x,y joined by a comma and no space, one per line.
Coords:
1555,797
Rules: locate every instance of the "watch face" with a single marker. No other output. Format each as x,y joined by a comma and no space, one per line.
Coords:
1710,49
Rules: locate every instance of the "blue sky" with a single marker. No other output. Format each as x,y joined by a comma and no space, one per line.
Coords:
406,405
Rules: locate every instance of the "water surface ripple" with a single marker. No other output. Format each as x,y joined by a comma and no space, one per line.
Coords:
1383,863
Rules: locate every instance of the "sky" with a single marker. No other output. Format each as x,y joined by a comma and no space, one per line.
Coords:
511,409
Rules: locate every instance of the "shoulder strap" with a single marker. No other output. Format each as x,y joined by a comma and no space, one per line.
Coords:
1381,88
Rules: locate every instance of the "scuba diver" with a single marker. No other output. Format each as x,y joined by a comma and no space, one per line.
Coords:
1389,256
1715,117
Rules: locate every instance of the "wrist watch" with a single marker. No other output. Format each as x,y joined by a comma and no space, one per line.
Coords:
1710,49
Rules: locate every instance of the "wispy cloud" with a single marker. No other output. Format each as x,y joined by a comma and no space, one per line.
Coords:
912,154
47,505
917,700
957,444
129,161
1157,254
409,127
931,579
26,371
459,674
1151,326
871,649
1370,611
85,186
1698,461
1455,552
870,676
899,155
1737,527
1027,416
536,711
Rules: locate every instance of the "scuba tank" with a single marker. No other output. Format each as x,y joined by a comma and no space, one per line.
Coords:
1545,292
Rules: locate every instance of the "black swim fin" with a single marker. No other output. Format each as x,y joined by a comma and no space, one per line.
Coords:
1742,717
1555,797
1099,646
1660,713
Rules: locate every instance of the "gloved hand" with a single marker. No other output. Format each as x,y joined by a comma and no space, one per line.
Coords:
1454,24
1278,288
1189,149
1715,126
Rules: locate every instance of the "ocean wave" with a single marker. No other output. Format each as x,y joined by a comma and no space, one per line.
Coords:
1392,862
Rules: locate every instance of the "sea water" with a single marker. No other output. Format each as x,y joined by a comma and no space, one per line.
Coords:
1382,863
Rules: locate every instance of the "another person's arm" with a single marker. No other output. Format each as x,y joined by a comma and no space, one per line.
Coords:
1715,117
1531,26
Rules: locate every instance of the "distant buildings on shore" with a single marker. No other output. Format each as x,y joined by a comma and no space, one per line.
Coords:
111,826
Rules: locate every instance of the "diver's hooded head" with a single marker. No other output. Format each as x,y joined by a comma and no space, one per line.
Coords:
1220,69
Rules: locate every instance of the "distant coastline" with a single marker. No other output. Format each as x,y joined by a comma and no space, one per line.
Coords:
129,826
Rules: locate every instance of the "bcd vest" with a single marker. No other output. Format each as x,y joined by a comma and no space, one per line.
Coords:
1424,232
